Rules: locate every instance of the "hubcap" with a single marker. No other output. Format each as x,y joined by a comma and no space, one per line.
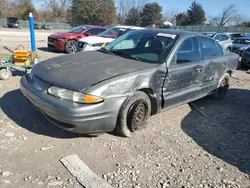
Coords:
5,74
71,46
136,116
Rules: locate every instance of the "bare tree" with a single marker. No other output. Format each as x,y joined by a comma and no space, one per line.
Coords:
124,6
226,17
58,8
238,19
170,15
4,8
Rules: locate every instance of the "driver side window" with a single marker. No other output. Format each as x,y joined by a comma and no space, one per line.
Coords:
189,51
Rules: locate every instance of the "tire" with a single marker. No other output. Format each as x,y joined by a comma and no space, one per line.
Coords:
70,46
222,89
133,114
228,49
5,74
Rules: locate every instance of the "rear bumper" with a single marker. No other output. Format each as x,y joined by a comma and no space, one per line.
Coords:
73,117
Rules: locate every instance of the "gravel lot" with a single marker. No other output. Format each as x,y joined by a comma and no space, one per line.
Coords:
179,148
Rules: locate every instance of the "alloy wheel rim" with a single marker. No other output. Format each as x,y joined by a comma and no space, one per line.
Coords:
72,46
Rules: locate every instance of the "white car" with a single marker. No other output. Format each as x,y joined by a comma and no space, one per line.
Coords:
224,39
93,43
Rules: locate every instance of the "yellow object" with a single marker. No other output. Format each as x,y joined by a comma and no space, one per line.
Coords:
92,99
24,58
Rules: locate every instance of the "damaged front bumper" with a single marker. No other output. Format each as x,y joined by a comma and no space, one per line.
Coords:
70,116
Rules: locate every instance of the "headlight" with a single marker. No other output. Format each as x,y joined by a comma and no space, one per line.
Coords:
61,39
73,95
243,48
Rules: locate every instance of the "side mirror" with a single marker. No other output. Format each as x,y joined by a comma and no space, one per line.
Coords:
87,34
217,40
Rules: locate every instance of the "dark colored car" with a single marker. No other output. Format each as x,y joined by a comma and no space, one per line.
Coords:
13,22
37,26
239,45
66,41
239,35
245,60
46,27
139,74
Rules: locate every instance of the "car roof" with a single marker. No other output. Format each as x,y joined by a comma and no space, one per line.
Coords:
173,31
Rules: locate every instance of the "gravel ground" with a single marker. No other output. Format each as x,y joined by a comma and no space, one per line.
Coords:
179,148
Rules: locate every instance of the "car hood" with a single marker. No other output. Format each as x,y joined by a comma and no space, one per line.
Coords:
81,70
96,39
239,45
62,35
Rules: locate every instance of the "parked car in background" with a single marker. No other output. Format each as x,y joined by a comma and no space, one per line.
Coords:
96,42
240,44
119,86
132,28
46,27
210,34
37,26
13,22
245,59
66,42
237,35
224,40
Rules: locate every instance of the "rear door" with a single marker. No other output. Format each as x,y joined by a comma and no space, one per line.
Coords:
185,74
215,65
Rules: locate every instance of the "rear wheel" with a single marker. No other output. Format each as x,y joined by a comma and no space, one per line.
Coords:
70,46
5,74
222,90
133,114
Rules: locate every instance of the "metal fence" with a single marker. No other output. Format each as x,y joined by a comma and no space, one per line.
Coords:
25,24
213,29
62,26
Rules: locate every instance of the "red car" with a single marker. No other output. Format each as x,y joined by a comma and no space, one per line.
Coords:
66,42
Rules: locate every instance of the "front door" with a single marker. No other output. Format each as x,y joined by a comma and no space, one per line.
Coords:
185,74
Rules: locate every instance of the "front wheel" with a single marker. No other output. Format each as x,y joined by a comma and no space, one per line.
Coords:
222,90
133,114
5,74
70,46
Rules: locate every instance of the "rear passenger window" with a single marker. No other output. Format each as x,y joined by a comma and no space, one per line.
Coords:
189,51
208,47
101,30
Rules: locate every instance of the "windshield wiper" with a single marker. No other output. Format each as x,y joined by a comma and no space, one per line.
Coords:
104,50
122,54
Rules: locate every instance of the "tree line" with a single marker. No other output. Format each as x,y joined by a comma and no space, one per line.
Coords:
129,12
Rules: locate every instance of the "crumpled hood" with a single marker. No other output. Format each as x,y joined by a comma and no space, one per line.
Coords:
96,40
81,70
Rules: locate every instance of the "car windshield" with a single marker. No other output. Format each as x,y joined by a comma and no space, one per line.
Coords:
148,46
110,33
78,29
242,41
